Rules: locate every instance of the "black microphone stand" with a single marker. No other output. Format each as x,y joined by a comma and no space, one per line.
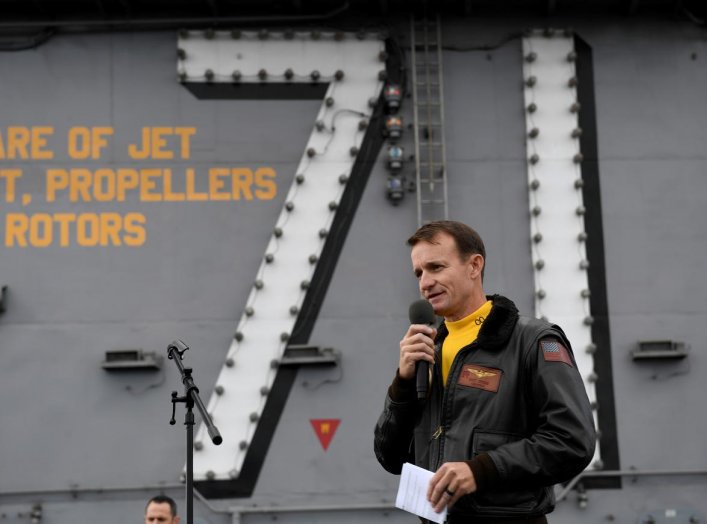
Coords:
190,398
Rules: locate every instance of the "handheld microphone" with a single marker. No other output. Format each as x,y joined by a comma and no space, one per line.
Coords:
421,312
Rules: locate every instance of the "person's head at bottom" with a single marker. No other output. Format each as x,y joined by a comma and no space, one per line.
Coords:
161,510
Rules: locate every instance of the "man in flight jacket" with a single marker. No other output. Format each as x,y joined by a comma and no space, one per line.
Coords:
506,416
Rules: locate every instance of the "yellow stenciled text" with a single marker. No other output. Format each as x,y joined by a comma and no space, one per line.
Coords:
160,184
71,229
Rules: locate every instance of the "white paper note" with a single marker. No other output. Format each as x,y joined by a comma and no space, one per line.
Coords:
412,493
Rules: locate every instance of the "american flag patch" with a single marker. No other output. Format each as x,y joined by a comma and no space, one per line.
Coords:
554,351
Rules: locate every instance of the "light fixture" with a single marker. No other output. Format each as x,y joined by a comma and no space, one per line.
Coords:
394,190
393,126
395,158
392,96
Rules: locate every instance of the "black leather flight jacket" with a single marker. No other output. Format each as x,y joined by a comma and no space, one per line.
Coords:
534,431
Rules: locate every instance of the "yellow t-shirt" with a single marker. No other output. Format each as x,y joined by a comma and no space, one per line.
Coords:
462,333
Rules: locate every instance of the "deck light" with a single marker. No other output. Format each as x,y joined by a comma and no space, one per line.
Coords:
392,96
395,158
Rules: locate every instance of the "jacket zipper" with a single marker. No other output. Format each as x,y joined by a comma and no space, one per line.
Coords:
445,398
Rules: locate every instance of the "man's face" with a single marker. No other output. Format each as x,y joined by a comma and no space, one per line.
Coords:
446,281
159,513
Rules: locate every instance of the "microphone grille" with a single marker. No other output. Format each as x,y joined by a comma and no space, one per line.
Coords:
421,312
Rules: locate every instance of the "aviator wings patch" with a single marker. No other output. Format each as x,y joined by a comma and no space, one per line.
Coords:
479,377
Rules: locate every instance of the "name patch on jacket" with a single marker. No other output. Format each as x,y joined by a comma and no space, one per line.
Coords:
479,377
554,351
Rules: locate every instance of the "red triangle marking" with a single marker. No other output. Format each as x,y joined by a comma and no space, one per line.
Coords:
325,429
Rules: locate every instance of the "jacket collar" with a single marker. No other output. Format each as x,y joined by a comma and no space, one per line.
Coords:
497,328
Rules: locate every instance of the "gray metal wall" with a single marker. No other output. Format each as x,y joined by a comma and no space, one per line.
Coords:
68,423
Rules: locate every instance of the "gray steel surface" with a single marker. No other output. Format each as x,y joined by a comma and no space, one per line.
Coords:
68,425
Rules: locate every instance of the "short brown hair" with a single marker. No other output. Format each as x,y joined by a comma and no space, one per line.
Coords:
467,240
